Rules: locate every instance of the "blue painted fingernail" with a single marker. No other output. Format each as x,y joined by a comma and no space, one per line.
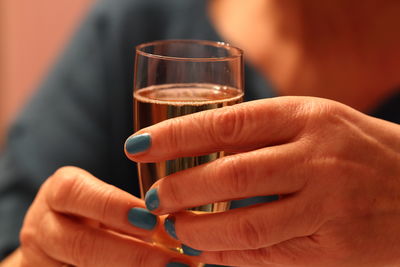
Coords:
152,200
190,251
142,218
138,143
177,264
169,225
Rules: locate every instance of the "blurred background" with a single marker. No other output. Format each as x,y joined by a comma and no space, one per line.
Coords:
32,34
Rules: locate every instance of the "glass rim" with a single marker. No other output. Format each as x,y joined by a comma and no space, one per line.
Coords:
237,51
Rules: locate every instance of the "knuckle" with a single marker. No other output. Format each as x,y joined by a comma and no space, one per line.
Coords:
264,255
82,247
310,113
141,256
327,112
174,195
106,204
140,259
221,257
337,133
226,127
318,108
232,173
27,237
28,233
36,232
175,135
63,182
248,233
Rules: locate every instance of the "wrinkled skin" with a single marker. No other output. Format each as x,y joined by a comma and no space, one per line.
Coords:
337,172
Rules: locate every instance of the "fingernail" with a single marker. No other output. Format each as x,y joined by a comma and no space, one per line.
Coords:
151,199
142,218
138,143
177,264
169,225
190,251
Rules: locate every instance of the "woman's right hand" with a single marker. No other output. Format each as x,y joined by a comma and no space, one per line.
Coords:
79,220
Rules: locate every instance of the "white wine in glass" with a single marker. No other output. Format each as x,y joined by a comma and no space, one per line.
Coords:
179,77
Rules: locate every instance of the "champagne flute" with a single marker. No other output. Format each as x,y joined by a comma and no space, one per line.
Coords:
179,77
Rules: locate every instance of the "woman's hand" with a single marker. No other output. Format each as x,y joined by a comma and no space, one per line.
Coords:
79,220
337,172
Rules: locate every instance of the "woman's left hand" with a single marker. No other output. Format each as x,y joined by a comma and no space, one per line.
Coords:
337,172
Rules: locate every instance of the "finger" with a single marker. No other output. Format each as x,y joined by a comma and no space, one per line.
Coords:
31,252
253,227
74,191
268,171
80,245
302,251
33,257
237,128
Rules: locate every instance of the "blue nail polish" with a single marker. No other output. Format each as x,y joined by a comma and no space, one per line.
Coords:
190,251
177,264
169,225
138,143
142,218
152,200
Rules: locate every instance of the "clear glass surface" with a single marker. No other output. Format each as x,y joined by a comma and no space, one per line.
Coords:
179,77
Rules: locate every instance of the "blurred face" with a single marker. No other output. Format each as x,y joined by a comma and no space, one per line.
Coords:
332,49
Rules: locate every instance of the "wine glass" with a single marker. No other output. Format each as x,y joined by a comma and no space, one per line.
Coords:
179,77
